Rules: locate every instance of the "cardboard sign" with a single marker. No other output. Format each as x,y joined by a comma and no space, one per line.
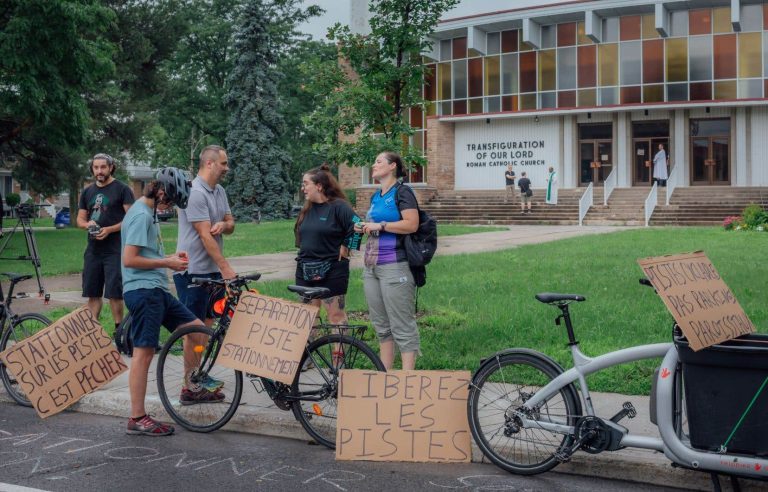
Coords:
703,306
59,365
267,336
403,416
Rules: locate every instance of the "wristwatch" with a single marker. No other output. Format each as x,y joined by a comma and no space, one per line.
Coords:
383,225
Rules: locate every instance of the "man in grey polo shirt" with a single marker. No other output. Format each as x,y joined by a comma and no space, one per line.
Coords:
201,226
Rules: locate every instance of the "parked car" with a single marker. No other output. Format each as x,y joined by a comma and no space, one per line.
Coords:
164,215
62,218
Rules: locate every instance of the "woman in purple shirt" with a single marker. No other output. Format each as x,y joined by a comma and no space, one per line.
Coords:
387,279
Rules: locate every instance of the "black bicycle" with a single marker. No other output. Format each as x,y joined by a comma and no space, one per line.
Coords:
14,328
313,394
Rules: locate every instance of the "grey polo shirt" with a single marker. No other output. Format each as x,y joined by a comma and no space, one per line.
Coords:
205,204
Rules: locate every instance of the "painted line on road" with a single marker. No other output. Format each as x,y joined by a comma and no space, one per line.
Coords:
9,487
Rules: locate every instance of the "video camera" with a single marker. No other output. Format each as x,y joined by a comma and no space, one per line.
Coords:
25,210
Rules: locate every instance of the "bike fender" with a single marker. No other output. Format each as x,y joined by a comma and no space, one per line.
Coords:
525,351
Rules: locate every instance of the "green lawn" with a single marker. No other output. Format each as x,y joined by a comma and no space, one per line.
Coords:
61,251
475,305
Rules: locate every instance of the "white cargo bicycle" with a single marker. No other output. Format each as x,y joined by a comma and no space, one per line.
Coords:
527,414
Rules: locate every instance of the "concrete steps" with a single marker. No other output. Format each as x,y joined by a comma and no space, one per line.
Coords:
707,205
490,208
688,206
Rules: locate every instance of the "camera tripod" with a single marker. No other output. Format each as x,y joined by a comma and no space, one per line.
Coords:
24,213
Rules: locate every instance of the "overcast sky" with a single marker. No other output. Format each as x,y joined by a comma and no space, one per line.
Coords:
335,11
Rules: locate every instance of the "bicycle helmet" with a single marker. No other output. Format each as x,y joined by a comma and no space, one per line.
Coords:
176,185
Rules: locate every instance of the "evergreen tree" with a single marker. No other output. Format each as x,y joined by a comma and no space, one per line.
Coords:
259,176
368,108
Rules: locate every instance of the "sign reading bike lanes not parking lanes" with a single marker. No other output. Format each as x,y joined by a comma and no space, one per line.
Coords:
267,336
403,416
64,362
702,305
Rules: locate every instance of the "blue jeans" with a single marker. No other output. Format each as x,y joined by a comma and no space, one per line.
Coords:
193,296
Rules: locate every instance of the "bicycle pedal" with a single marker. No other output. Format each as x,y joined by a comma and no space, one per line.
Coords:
627,410
562,456
21,295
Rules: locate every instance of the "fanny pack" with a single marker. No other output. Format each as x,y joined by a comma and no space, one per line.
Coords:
315,270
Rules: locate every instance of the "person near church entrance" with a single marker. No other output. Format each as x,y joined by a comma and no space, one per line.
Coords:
509,178
525,192
551,187
660,166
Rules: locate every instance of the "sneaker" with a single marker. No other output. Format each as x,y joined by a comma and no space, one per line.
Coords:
211,383
147,426
189,397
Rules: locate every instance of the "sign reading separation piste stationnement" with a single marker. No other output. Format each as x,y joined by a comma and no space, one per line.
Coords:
64,362
403,416
703,306
267,336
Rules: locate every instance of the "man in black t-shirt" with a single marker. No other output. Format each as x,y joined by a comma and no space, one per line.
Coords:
525,192
101,210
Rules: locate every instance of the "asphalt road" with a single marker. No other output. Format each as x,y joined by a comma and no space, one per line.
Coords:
76,452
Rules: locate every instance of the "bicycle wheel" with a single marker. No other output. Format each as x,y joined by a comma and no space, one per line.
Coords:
24,327
317,383
497,391
196,415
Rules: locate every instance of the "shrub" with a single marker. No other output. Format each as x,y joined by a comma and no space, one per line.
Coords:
754,216
351,196
12,199
731,222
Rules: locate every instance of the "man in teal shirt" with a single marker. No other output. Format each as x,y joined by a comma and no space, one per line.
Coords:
146,294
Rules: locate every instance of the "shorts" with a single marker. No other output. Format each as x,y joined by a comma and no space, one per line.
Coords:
152,308
194,297
337,278
390,292
102,270
525,198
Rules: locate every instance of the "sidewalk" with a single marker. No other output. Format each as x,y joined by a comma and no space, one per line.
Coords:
65,290
257,414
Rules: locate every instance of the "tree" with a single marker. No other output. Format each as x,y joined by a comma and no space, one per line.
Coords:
370,105
192,113
51,53
259,177
301,94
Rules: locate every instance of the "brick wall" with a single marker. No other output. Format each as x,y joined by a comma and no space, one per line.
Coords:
441,154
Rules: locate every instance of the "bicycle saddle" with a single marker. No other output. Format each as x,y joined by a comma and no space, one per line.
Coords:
15,277
310,292
550,297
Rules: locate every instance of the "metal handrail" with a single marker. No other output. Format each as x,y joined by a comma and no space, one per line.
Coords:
673,180
650,203
609,185
585,202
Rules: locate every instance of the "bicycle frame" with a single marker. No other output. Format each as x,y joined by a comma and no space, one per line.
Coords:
583,367
667,401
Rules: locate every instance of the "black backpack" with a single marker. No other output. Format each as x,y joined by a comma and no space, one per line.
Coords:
420,246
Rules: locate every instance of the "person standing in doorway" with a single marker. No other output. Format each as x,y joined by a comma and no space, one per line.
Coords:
509,178
660,174
101,210
201,228
551,187
525,193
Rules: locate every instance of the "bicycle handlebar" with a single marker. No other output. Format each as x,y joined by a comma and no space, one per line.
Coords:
235,282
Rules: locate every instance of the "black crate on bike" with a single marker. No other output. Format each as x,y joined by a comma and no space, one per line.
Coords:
720,383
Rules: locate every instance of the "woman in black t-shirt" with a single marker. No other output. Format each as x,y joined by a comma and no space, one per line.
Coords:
324,234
